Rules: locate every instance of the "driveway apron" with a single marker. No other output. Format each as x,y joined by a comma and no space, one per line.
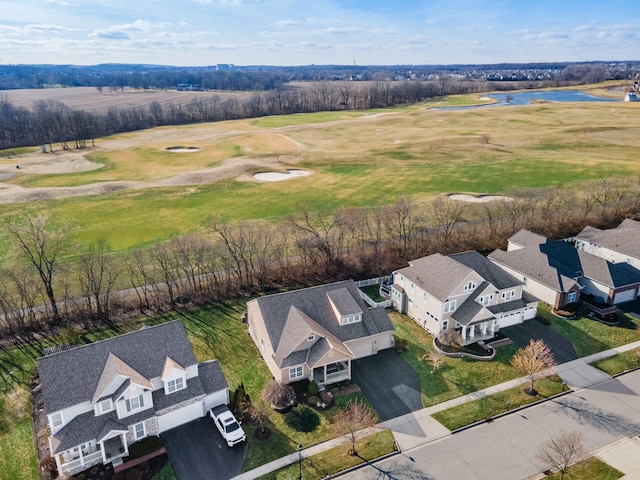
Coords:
389,384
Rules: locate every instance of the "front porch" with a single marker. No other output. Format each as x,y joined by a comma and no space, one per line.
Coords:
476,332
82,457
332,372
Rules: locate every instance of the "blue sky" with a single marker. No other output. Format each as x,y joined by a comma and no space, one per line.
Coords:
302,32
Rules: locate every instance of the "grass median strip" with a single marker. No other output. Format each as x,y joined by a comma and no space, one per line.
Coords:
492,405
338,458
619,363
589,468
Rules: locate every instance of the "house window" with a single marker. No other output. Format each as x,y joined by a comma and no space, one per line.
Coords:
296,372
425,296
401,280
524,280
350,319
311,338
445,324
138,430
413,288
469,286
134,403
486,299
57,420
175,385
507,296
105,406
449,306
572,296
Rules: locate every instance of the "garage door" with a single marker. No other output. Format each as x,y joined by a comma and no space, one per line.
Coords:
213,400
626,296
179,417
512,319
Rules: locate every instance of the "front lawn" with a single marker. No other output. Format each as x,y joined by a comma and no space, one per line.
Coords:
501,402
337,459
619,363
591,468
589,336
457,376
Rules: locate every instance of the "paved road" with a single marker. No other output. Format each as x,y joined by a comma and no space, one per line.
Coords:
389,383
198,452
505,448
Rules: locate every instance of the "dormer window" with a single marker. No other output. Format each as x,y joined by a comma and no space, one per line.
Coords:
350,319
175,385
104,406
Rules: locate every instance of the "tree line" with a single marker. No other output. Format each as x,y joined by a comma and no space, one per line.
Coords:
44,286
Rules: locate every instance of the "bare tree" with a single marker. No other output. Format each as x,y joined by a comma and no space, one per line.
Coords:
447,214
450,337
98,274
278,395
562,451
41,245
353,420
435,359
532,360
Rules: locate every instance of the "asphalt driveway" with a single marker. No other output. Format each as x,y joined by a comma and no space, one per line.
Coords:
198,452
561,347
389,383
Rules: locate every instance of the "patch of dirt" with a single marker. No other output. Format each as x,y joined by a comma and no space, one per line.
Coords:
479,199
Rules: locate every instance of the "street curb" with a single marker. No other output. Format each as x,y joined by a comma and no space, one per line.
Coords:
361,465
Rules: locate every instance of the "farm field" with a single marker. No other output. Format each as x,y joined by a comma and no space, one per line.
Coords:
354,158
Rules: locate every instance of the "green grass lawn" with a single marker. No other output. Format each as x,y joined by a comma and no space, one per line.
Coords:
337,459
166,473
589,336
458,376
502,402
17,453
619,363
589,469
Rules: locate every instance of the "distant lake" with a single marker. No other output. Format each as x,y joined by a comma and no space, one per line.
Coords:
525,98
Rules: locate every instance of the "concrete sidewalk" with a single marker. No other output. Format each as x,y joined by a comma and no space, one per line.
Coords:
418,428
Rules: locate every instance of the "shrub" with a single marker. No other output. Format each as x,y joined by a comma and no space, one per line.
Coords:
145,446
48,464
313,388
300,386
401,344
278,395
313,400
450,337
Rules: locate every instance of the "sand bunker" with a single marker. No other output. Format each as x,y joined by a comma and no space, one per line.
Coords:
279,176
479,199
183,149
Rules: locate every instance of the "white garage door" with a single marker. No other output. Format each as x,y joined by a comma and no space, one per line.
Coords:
626,296
511,319
213,400
179,417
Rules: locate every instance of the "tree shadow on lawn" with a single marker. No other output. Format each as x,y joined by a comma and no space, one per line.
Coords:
396,469
601,419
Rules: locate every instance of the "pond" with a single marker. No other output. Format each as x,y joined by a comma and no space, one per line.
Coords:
5,176
526,98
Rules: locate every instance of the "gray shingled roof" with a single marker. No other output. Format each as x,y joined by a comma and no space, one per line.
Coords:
468,312
344,302
211,376
314,303
194,389
526,238
624,238
612,275
552,263
487,269
436,274
71,377
555,264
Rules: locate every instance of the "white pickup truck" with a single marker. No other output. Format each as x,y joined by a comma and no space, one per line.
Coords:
227,424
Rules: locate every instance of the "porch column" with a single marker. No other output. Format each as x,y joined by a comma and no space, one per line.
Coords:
324,373
484,328
81,455
464,333
472,331
349,367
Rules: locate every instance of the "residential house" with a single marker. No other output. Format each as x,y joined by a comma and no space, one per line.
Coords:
618,245
102,397
465,291
316,332
556,273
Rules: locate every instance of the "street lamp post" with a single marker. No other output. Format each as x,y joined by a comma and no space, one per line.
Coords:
300,460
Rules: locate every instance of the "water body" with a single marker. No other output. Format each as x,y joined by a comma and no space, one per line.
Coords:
5,176
526,98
